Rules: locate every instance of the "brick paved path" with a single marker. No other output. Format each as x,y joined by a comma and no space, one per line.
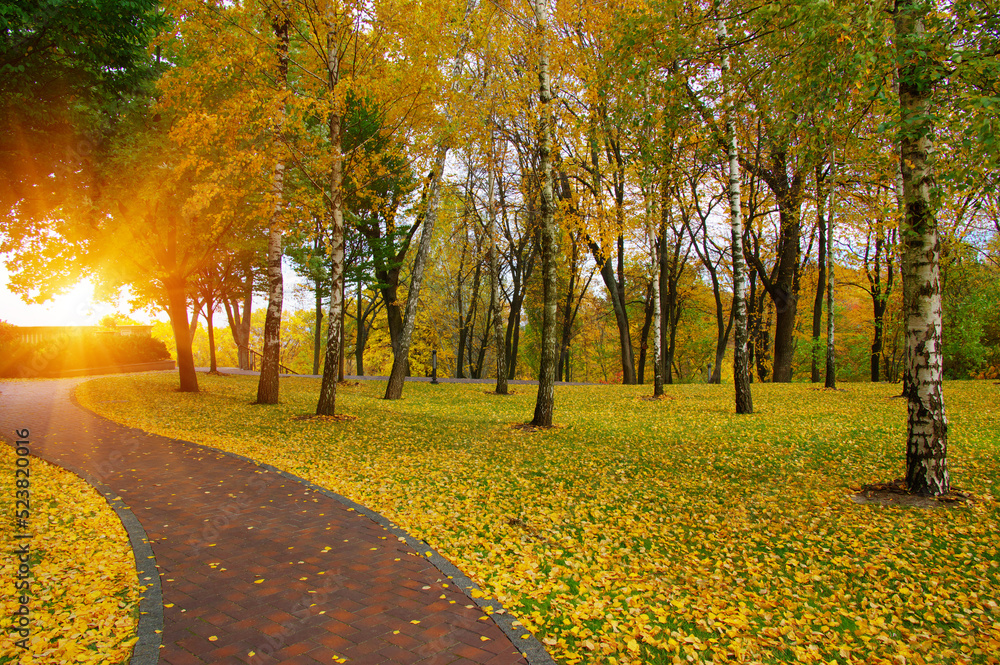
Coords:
253,562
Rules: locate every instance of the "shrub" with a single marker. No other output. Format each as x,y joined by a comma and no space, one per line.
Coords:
72,352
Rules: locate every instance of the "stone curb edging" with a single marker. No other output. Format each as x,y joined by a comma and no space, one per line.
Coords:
530,647
523,640
146,650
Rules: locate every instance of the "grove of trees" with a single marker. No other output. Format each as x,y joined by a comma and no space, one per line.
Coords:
626,192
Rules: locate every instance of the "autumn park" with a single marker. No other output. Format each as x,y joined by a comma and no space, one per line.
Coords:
499,332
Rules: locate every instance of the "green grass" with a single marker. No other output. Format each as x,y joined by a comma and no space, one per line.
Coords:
642,531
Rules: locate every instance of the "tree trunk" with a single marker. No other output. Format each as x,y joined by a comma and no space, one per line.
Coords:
177,310
880,295
817,322
621,315
389,289
196,306
647,320
545,399
876,355
501,387
394,387
831,369
765,308
664,284
463,328
470,318
498,342
362,338
741,366
460,356
613,283
785,299
343,300
512,337
567,318
723,325
927,425
673,267
878,310
477,371
657,321
239,324
326,405
520,273
673,317
401,357
267,386
213,366
318,333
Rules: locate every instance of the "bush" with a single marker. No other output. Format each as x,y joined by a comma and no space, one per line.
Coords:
8,333
72,352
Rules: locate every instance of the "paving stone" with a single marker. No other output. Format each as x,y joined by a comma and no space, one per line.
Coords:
197,507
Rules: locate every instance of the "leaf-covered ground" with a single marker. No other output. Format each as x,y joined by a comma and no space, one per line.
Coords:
652,532
84,595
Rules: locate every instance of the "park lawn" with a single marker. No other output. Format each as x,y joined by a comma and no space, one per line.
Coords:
84,594
646,531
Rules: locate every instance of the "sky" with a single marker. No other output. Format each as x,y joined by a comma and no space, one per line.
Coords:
74,308
77,307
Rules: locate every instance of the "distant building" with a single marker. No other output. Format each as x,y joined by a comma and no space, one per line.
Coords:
37,334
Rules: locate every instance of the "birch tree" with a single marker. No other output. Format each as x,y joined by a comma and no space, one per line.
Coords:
927,426
545,399
267,385
494,231
654,256
741,361
401,355
831,368
337,26
817,320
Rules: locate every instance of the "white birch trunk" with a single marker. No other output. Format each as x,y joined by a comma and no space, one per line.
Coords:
927,427
831,368
545,399
741,365
401,356
267,386
326,406
498,343
654,256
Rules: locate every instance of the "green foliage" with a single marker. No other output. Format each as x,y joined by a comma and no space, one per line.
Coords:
971,302
65,67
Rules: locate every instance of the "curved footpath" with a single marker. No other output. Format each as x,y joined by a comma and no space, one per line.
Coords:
257,566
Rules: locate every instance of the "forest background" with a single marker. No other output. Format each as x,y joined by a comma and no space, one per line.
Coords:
182,187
